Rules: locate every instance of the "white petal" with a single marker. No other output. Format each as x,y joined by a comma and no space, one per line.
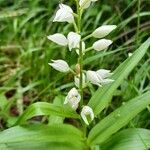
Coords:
103,31
103,73
64,14
101,44
84,118
84,3
73,40
86,110
66,8
73,98
106,81
60,65
58,38
92,77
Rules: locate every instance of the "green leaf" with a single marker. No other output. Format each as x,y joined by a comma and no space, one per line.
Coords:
129,139
117,119
103,95
43,108
42,137
53,118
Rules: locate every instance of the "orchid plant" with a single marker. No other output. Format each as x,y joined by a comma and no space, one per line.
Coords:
86,130
75,41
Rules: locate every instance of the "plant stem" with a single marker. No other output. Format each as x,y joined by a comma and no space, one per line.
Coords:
80,61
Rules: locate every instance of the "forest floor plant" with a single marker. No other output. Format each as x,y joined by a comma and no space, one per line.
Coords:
83,132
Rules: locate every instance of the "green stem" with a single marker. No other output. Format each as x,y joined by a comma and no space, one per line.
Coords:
80,53
80,61
87,37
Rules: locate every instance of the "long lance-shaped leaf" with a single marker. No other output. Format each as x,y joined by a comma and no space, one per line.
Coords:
117,119
43,108
131,139
42,137
103,95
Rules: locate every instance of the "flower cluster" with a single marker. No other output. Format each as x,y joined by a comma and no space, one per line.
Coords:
74,41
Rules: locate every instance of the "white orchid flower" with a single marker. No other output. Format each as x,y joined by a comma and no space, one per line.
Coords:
73,40
101,44
77,80
93,78
73,98
64,14
99,77
87,111
59,39
86,3
103,31
103,73
60,65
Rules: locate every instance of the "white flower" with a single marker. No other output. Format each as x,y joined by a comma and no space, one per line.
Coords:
93,78
64,14
103,73
101,44
87,111
73,40
86,3
77,80
60,65
103,31
73,98
99,77
59,39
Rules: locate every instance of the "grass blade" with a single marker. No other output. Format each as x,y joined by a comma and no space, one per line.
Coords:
134,139
117,119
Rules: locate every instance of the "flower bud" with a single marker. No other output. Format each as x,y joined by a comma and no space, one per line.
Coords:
60,65
73,40
99,77
59,39
92,77
86,3
103,73
64,14
87,111
101,44
73,98
103,31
